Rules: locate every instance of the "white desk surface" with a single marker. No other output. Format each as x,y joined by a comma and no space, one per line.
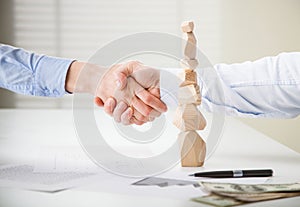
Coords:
240,147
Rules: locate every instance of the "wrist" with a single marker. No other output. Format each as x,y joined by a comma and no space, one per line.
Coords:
83,77
72,76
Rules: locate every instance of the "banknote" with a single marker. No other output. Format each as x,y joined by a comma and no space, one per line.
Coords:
246,188
258,197
227,201
218,200
229,194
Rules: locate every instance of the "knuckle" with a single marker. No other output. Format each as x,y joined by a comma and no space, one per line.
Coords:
134,62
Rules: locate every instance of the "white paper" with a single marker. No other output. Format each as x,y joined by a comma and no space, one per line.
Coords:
23,176
120,185
71,162
64,159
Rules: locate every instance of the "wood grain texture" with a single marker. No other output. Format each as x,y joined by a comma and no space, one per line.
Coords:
188,77
189,94
191,46
188,118
193,149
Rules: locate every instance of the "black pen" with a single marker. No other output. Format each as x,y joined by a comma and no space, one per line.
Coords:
235,173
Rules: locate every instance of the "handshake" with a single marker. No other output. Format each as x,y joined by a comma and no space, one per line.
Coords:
129,91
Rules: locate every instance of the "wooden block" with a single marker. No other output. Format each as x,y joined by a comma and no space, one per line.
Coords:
189,94
187,26
188,118
193,149
189,64
191,46
188,77
198,90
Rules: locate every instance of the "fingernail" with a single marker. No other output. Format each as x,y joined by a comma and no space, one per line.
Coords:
110,103
165,108
118,83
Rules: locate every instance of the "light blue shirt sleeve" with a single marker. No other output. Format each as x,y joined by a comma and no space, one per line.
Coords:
268,87
32,74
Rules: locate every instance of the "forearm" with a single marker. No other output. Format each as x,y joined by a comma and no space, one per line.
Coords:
27,73
269,87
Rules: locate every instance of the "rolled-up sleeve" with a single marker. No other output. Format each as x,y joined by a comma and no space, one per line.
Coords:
268,87
28,73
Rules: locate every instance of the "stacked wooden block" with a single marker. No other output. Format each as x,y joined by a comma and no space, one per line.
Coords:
187,117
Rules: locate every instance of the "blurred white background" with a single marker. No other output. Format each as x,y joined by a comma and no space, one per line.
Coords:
227,31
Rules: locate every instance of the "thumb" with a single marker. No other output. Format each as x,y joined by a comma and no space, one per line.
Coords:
121,80
124,71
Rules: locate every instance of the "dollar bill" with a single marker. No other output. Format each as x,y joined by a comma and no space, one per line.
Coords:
218,200
246,188
228,200
230,194
255,197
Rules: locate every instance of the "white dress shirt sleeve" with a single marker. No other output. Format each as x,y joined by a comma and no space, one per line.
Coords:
268,87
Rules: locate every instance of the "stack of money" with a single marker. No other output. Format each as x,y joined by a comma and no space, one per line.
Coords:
229,194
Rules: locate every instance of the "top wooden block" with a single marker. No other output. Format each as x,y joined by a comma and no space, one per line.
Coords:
187,26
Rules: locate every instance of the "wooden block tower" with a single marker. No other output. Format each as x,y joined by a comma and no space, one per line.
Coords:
187,117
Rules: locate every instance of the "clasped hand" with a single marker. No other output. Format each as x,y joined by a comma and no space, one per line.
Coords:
130,93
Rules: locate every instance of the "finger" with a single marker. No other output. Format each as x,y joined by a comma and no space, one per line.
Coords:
126,116
110,105
137,115
141,107
98,101
121,80
125,70
151,100
132,66
154,113
151,119
119,110
140,117
155,92
137,122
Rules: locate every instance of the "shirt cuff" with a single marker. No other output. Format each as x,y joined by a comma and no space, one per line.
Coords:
51,75
169,85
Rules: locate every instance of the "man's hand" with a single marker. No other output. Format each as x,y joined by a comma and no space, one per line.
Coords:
148,78
84,78
144,101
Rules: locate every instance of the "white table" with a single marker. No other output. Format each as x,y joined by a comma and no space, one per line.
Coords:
25,130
